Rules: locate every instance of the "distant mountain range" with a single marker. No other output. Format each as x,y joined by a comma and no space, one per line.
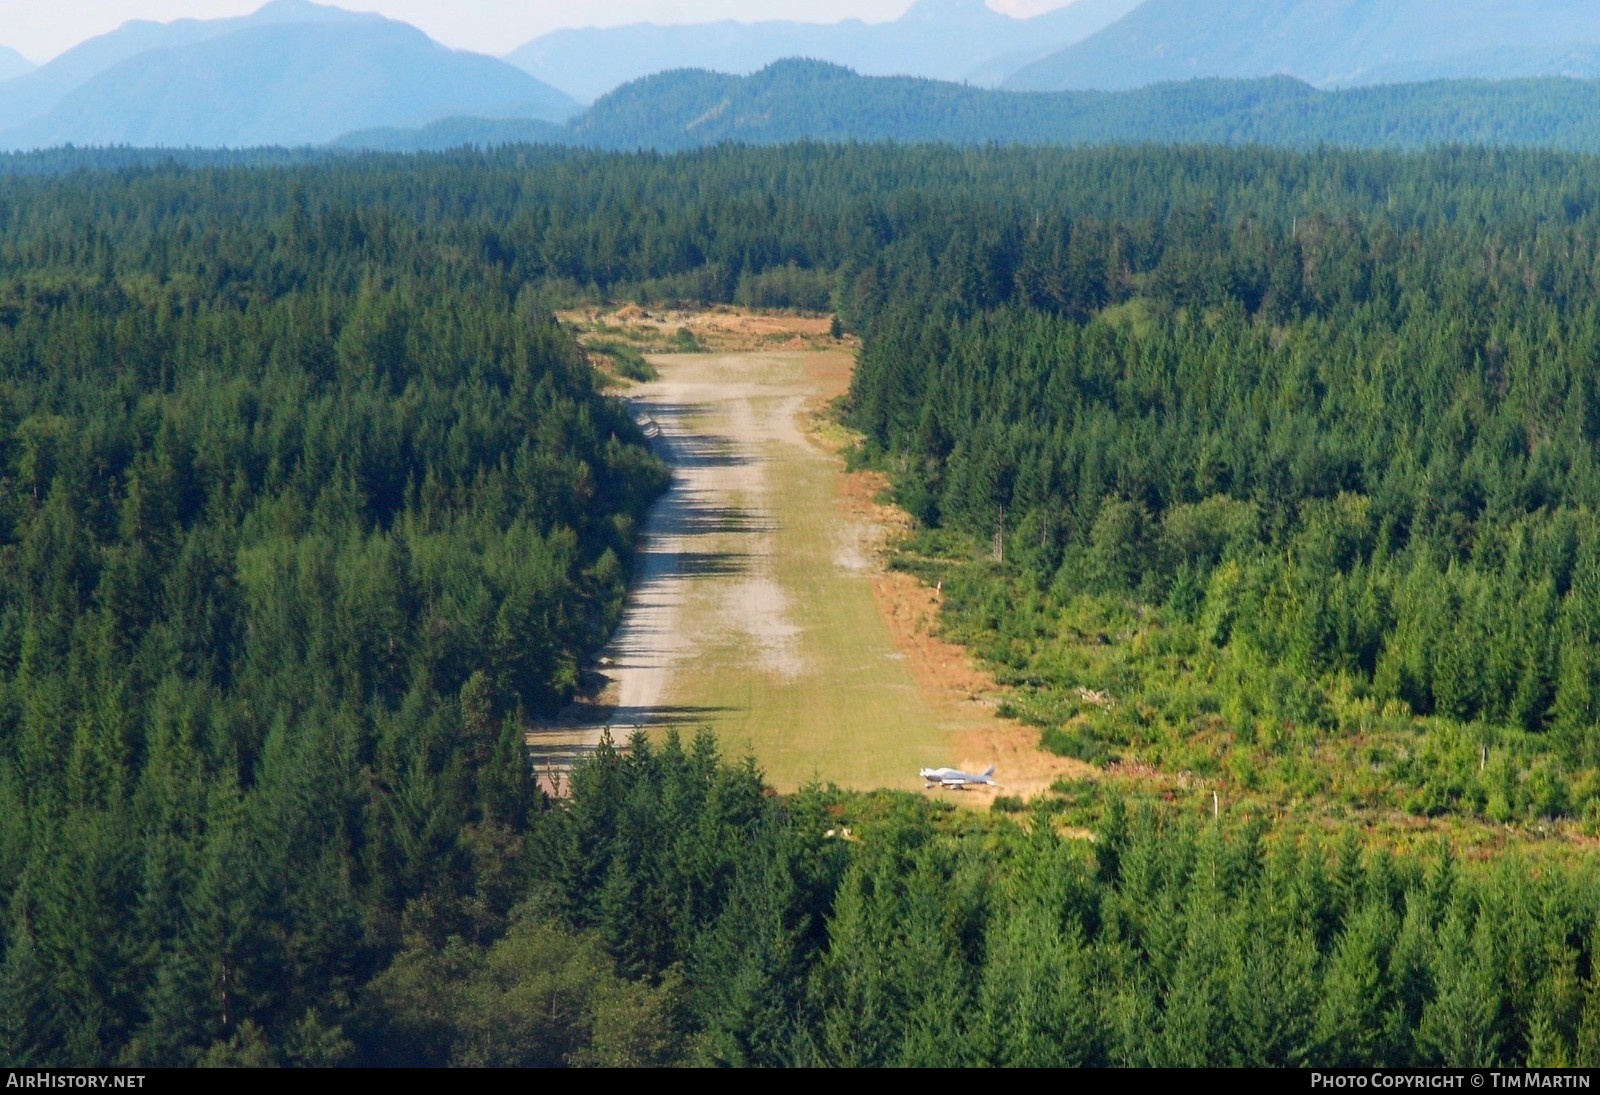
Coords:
1327,43
942,39
1111,45
1287,72
293,73
809,100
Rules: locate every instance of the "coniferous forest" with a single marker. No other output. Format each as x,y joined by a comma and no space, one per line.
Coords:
307,502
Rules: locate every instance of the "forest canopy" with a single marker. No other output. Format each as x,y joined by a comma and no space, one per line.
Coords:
300,514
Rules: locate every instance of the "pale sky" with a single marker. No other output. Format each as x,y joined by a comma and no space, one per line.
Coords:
40,29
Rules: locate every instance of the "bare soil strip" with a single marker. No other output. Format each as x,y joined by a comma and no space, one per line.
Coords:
761,608
752,611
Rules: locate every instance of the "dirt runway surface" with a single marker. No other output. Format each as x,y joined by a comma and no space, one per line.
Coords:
710,538
752,610
760,608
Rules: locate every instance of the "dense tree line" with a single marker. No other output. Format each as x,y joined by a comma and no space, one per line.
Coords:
295,525
691,226
757,932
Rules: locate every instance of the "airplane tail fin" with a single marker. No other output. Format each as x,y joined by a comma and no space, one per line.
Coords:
989,771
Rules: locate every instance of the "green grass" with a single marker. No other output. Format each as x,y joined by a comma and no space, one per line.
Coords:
852,714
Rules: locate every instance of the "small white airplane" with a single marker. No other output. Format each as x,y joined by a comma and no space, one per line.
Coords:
953,779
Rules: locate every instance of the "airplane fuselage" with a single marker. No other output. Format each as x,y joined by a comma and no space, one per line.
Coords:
953,779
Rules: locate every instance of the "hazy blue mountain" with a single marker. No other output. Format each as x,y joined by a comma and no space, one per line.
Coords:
13,64
34,95
942,39
276,79
1575,61
448,133
1325,42
808,100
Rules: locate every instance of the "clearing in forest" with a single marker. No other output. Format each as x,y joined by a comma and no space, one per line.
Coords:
752,611
761,609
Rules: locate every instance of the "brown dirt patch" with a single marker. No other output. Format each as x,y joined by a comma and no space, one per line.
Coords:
964,697
717,330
